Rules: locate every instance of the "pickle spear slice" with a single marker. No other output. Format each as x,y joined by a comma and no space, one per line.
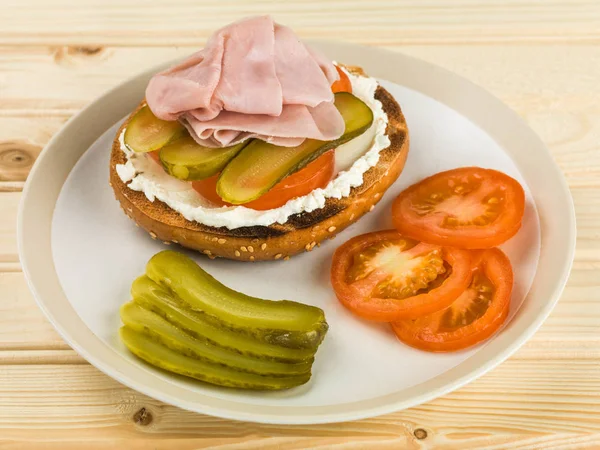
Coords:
157,355
260,166
145,132
286,323
153,297
148,323
187,160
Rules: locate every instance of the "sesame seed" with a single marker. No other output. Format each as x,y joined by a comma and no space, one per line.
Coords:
175,242
215,239
286,258
278,255
307,247
222,241
372,208
166,243
152,235
331,229
262,247
377,195
207,252
129,209
252,258
137,225
251,249
244,249
352,216
237,253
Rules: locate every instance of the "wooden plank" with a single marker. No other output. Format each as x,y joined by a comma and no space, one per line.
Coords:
9,205
380,22
22,324
36,357
587,207
571,331
565,114
77,403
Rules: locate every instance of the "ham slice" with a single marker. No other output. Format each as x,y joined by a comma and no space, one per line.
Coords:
254,79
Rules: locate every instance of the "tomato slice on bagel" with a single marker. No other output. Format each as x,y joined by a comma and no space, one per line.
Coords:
385,276
469,208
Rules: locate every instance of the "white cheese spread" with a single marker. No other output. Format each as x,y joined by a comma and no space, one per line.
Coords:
353,159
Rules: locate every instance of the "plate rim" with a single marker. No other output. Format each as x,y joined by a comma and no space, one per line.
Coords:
430,389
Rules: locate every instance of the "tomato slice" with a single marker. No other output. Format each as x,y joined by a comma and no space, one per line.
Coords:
343,84
154,156
467,208
385,276
473,317
315,175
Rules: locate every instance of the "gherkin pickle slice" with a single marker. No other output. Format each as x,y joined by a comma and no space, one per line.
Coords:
148,323
284,323
160,356
260,166
155,298
145,132
187,160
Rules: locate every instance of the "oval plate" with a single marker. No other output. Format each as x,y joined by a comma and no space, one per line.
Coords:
80,253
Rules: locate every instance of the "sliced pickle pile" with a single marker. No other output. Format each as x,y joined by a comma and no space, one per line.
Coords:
160,356
187,160
285,323
260,166
183,320
145,132
153,297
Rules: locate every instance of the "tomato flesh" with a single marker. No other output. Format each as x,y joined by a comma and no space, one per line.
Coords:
473,317
154,156
315,175
343,84
385,276
468,208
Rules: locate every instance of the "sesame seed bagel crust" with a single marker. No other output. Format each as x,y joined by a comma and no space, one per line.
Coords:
302,232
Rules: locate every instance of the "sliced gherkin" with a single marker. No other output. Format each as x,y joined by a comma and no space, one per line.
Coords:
146,133
285,323
160,356
260,166
146,322
157,299
187,160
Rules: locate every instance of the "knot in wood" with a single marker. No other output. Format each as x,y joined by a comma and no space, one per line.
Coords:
420,433
143,417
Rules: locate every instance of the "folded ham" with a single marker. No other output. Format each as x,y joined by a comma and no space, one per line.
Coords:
254,78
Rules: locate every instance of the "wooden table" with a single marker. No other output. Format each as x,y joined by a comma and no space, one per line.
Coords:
541,58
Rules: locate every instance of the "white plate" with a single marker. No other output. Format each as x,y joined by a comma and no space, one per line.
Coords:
80,253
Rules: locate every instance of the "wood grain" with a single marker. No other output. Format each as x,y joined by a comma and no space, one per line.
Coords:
541,58
379,22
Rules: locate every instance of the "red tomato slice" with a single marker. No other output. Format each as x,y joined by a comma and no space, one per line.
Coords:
315,175
385,276
467,208
473,317
343,84
154,156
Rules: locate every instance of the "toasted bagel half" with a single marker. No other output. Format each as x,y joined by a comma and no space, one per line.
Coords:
302,232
